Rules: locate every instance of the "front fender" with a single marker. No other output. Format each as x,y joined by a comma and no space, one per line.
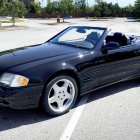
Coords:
40,73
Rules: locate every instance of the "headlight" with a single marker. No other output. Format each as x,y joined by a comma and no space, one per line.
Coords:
13,80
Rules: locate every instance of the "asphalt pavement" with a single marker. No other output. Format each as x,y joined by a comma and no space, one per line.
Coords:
111,113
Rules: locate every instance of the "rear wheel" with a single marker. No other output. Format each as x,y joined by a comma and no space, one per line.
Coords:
60,95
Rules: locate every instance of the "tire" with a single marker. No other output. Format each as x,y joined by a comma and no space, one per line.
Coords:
60,95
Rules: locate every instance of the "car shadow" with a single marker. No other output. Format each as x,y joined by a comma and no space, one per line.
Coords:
10,118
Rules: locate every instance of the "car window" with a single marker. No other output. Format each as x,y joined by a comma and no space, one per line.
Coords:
80,37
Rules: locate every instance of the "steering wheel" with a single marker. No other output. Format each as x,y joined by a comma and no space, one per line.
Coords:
91,41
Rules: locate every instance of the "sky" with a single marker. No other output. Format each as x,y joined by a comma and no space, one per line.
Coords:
122,3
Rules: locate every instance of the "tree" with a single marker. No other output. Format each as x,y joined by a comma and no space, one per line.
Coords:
16,8
116,10
137,7
97,10
13,8
35,7
98,1
107,11
100,9
129,10
56,6
3,6
66,7
81,4
104,9
49,8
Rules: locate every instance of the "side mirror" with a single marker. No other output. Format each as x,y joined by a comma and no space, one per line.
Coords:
110,46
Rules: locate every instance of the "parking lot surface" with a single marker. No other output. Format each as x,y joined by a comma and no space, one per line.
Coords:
111,113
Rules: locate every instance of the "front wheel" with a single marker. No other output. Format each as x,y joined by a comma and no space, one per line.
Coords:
60,95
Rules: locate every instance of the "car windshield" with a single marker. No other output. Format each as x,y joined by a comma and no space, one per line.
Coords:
84,37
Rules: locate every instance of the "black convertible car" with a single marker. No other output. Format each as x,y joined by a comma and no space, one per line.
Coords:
76,61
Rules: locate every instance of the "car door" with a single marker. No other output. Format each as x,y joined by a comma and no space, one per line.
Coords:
133,68
88,72
118,65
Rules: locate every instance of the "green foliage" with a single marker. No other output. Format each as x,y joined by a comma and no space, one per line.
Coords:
103,9
50,9
97,10
100,9
66,6
137,7
56,6
129,10
98,1
116,10
80,5
13,8
70,7
35,7
3,7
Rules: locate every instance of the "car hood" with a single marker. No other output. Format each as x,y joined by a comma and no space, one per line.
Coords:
15,57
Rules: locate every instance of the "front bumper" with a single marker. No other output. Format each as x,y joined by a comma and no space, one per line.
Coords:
23,98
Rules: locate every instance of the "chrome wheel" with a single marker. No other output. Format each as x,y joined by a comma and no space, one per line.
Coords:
61,95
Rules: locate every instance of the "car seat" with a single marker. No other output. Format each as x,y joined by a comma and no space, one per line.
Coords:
119,38
93,37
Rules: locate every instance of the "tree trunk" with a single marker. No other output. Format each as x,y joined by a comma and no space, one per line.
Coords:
13,20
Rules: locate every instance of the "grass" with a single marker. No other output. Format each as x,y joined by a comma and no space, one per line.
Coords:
12,27
9,20
6,20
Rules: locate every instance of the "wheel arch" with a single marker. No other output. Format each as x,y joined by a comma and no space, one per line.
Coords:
67,72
